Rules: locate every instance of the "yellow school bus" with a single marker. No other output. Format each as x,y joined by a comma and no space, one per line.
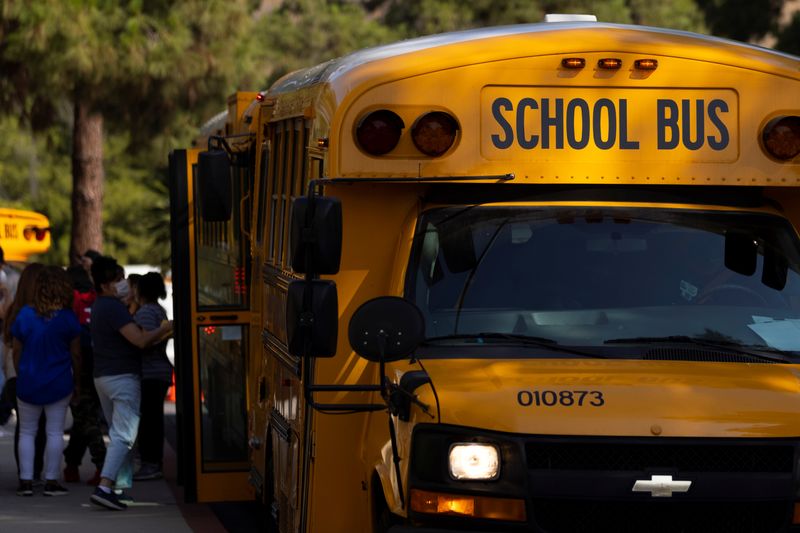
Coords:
23,234
532,278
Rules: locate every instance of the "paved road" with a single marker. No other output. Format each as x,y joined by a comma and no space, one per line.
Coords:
159,504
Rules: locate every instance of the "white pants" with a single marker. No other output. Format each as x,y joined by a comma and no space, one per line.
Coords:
29,414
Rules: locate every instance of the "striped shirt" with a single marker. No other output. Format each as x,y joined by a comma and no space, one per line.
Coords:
155,364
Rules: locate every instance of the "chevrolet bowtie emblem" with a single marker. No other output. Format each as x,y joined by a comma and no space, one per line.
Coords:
661,486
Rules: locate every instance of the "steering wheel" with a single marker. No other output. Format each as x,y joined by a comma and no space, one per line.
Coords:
713,292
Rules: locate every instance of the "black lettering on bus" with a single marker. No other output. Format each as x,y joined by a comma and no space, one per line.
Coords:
555,121
667,121
572,139
699,123
497,106
715,107
624,142
523,141
597,130
524,398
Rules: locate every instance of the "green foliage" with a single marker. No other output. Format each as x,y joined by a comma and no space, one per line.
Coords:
739,20
35,170
789,38
155,69
302,33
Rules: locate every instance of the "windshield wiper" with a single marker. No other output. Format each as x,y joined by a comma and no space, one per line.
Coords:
514,338
720,345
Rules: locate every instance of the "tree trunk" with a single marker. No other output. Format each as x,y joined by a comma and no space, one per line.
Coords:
87,181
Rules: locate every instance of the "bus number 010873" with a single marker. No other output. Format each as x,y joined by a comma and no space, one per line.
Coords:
565,398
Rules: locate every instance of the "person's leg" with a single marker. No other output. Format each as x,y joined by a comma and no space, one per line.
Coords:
39,445
120,398
94,432
28,416
56,414
151,427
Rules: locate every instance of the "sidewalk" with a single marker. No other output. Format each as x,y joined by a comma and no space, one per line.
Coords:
158,503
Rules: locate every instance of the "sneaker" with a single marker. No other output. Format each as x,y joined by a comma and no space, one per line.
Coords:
54,488
148,471
25,488
95,479
108,500
71,474
124,497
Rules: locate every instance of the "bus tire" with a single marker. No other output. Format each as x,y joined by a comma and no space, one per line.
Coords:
382,517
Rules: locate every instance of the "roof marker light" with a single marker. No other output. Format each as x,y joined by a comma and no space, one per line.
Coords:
573,62
645,64
610,63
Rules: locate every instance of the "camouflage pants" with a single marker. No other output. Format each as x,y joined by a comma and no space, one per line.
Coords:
86,430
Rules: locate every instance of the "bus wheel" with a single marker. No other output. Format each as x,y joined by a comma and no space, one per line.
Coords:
382,517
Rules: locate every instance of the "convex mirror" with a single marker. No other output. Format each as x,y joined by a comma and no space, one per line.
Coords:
321,320
315,239
388,327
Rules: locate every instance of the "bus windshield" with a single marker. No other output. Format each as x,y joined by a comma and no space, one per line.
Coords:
591,277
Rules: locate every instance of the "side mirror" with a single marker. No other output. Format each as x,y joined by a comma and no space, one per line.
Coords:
320,240
323,317
741,252
388,328
214,185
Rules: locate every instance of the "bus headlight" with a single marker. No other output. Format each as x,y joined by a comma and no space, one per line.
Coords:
474,461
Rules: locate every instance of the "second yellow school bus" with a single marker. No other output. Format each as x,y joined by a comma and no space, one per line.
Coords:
23,234
582,238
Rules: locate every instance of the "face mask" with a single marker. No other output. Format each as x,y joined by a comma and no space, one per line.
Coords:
122,289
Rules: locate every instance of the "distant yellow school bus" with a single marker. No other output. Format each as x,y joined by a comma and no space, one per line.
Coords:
23,234
531,278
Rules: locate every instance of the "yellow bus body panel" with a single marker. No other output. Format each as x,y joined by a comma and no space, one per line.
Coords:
19,244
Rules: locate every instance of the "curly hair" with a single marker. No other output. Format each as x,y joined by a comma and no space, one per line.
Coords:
53,291
26,287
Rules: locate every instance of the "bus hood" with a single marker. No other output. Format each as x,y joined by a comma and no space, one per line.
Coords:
617,397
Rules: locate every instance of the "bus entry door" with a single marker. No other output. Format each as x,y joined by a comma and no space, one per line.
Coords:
212,334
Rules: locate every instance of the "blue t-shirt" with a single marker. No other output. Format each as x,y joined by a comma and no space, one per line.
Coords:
113,353
45,365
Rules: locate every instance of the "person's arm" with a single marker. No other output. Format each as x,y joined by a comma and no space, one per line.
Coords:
143,339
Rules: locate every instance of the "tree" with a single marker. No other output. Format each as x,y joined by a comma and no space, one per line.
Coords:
124,67
743,21
422,17
301,33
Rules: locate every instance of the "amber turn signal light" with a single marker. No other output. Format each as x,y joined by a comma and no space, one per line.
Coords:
434,133
511,509
379,132
781,137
